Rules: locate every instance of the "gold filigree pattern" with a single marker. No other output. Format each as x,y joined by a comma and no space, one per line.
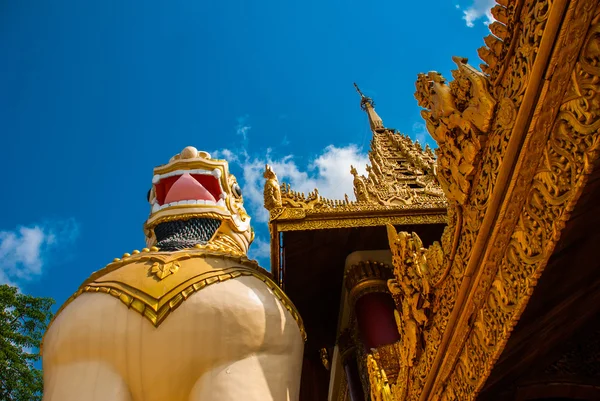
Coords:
457,116
372,220
411,290
516,53
560,151
389,358
162,270
542,144
400,174
272,192
380,389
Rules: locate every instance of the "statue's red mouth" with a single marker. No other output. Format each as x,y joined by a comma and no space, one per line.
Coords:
188,188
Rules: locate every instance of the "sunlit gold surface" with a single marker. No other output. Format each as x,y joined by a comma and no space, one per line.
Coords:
457,116
523,139
298,220
389,359
380,388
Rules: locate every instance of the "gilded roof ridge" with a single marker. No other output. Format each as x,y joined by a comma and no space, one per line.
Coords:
290,195
401,175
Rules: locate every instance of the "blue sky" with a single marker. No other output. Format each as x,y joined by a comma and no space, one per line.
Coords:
93,95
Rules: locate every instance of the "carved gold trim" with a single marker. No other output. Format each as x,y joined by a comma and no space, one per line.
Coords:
388,358
157,312
557,157
366,277
328,222
163,270
380,388
520,33
401,188
401,175
532,167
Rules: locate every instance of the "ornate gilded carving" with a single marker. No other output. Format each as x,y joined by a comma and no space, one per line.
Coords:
548,178
411,289
325,358
389,359
500,44
162,270
365,277
343,221
457,116
559,153
400,174
380,388
272,192
512,172
515,55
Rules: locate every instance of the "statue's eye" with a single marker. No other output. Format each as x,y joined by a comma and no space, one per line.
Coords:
148,196
237,191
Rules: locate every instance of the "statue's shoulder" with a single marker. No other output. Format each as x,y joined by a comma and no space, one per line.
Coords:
154,282
150,267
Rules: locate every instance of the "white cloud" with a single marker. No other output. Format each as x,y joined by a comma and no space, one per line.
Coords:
329,172
479,9
24,251
243,127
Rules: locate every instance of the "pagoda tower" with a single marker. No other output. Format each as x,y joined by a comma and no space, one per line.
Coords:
332,258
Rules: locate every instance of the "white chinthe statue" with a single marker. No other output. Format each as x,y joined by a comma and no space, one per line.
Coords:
190,317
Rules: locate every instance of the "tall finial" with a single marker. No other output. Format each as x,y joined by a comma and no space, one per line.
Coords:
358,90
364,99
367,104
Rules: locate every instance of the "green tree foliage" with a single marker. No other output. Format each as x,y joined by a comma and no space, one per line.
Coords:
23,320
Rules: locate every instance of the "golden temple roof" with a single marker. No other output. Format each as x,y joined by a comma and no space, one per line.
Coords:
400,180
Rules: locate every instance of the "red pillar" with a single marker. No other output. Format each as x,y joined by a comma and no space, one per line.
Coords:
375,319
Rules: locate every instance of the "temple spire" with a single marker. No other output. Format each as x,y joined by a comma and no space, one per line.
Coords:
367,104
